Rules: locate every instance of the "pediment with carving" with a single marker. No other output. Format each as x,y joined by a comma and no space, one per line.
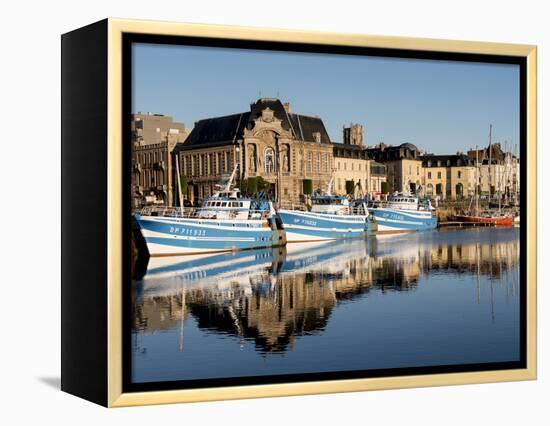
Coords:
267,122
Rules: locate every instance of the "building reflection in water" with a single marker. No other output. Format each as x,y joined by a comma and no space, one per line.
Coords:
272,296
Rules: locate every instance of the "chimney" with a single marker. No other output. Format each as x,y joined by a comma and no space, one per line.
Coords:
287,107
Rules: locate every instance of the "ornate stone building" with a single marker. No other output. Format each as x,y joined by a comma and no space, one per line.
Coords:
154,137
268,141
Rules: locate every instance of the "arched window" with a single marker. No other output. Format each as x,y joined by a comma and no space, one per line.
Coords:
459,190
269,161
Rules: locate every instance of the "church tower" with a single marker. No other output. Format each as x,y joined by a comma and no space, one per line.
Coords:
353,135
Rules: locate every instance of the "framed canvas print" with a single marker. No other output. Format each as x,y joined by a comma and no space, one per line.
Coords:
253,212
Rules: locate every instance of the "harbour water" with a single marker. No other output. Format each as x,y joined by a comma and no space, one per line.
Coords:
431,298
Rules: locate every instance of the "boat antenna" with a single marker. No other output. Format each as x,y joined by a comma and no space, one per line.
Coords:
178,180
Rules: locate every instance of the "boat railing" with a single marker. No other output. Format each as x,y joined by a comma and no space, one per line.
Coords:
166,211
421,207
345,211
286,205
203,213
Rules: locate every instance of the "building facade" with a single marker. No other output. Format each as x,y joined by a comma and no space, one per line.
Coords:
353,168
498,170
448,176
149,128
378,177
154,137
351,165
403,166
269,141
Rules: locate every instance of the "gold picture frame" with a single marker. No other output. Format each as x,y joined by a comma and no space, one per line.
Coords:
114,30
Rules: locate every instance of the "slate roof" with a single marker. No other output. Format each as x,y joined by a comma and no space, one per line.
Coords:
228,129
217,130
409,145
453,160
392,153
342,150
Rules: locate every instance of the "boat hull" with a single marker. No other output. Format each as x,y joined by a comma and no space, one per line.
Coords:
165,236
497,220
395,221
307,226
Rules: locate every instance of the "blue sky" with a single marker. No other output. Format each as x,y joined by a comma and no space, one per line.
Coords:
440,106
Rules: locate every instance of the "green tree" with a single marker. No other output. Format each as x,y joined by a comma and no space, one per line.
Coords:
412,187
307,186
439,189
385,187
252,185
262,183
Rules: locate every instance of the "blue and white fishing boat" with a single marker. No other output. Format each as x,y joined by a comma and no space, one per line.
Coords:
403,213
170,274
331,217
225,222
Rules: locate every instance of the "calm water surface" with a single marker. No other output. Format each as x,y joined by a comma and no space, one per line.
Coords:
423,299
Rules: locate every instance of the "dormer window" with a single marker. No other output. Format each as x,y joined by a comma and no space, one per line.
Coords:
317,137
267,115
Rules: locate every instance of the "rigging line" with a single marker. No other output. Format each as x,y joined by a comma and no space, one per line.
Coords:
290,122
300,126
238,125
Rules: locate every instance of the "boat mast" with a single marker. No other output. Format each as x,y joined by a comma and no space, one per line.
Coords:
473,197
231,178
490,160
178,179
476,195
329,187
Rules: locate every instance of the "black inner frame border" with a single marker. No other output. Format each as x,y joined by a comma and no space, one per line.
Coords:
130,38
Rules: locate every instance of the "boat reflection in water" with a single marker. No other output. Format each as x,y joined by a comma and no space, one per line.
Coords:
420,299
